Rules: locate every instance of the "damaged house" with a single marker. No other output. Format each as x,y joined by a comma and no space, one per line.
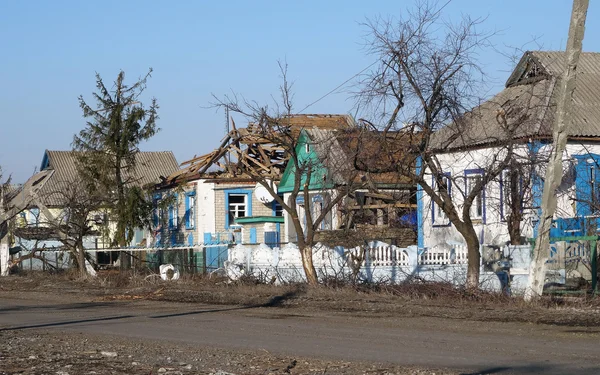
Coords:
217,197
377,204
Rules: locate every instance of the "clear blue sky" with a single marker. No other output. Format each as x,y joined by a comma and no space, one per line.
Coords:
51,49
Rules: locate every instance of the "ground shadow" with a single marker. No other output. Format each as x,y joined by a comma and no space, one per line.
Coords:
56,324
274,301
537,369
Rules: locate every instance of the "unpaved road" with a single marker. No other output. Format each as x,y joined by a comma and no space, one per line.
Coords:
466,346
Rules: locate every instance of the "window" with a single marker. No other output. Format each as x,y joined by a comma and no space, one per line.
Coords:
438,215
173,214
307,147
594,190
190,210
587,185
473,179
237,207
277,208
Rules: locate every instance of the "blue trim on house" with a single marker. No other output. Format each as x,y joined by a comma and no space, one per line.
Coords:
274,205
187,210
420,208
227,192
434,186
155,216
583,184
481,172
252,235
190,239
173,213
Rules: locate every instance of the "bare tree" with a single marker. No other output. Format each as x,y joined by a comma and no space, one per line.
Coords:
332,172
80,215
427,81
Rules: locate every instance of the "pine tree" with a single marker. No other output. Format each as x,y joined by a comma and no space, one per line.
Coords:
107,147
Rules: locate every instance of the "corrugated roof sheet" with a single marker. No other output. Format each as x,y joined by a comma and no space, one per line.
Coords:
528,104
63,171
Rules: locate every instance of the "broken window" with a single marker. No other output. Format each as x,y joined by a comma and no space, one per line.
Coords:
237,206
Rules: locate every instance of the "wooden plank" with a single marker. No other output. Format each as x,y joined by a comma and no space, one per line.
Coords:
374,206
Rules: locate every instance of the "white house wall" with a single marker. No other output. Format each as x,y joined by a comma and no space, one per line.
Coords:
205,208
494,230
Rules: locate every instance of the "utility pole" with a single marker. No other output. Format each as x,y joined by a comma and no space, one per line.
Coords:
537,269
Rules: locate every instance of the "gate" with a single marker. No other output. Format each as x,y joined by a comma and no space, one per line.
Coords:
573,258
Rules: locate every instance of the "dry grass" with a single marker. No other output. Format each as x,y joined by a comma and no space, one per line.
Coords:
414,299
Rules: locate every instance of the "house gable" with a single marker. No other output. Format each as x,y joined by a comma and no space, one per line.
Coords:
307,154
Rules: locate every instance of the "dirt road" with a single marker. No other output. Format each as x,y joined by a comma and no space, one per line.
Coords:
462,346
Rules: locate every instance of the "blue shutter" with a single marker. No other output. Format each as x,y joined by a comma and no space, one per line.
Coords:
252,235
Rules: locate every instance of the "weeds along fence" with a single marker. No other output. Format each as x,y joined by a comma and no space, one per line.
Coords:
379,262
195,259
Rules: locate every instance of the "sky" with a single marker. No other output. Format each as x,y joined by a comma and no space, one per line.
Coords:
51,50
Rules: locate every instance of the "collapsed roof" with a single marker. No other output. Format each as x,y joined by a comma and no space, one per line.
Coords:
255,147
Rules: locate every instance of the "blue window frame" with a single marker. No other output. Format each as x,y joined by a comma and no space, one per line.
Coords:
156,212
238,203
472,178
438,216
173,214
587,185
190,210
277,208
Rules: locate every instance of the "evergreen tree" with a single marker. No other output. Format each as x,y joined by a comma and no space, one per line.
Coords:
107,148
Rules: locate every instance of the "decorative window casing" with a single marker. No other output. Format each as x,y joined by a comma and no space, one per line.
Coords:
173,214
190,210
473,178
238,203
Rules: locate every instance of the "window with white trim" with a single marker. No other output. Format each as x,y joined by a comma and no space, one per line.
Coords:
237,206
190,214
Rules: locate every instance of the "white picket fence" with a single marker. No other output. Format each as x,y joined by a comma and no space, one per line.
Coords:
443,255
381,256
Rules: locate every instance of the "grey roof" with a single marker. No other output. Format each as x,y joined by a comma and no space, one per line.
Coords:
528,104
59,171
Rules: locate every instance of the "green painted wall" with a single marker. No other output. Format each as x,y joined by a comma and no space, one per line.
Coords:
286,184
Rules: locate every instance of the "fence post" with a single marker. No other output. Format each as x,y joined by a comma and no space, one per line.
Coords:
594,256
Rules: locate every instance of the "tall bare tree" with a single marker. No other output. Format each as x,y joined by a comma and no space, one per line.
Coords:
278,128
426,82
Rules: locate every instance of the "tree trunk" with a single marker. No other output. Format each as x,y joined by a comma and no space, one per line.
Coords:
474,257
81,259
537,269
307,264
474,261
514,227
125,259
